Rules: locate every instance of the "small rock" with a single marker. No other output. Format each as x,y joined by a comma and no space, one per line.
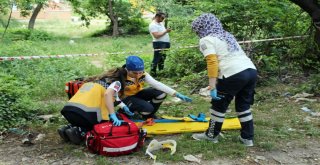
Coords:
287,94
191,158
27,141
46,117
260,157
302,95
71,42
24,159
40,137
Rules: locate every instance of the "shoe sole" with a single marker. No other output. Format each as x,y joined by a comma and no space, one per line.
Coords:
247,145
204,139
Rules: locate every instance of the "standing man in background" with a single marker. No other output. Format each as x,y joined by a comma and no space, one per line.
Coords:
161,40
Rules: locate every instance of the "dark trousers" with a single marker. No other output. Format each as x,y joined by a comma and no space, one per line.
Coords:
241,87
145,102
159,56
79,118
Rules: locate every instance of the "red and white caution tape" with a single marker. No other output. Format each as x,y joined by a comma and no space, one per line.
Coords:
133,52
48,56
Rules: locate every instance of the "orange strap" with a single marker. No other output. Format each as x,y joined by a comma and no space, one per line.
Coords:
148,122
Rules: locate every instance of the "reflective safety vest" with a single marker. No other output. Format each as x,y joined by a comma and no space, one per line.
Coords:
133,87
90,98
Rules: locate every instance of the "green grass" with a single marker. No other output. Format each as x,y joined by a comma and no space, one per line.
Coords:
63,28
278,120
57,46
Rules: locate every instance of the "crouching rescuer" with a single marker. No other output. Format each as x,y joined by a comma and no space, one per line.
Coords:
92,104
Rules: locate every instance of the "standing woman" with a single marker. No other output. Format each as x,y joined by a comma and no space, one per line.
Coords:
231,75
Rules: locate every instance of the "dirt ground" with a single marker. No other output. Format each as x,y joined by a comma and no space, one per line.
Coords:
16,150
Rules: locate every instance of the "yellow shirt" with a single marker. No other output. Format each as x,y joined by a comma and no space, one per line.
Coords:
90,98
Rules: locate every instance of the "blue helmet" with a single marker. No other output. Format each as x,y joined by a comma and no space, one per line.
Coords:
134,63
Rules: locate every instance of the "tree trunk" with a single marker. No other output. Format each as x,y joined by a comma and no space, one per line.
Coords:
317,37
317,40
34,15
5,30
114,20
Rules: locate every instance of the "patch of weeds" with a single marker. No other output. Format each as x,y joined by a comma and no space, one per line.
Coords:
102,160
268,146
227,146
312,131
78,153
262,122
68,148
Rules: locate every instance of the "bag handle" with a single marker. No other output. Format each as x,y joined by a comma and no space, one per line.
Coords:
124,117
126,122
122,123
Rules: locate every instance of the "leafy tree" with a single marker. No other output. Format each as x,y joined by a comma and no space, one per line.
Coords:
35,13
312,7
26,8
246,20
116,10
4,6
174,9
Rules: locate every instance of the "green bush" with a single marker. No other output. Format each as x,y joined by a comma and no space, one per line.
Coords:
25,34
16,107
133,26
184,62
127,26
29,84
248,20
311,86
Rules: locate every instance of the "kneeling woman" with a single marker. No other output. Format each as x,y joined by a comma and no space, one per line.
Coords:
92,104
145,101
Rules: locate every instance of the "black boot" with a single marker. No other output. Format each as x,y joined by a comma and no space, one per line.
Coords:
62,132
74,135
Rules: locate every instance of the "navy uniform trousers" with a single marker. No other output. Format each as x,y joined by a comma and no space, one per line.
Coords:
240,87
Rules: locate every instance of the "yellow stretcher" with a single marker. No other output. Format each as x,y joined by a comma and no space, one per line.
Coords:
184,125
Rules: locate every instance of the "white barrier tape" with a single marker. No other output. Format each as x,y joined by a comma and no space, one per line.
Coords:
129,52
133,52
273,39
179,47
246,42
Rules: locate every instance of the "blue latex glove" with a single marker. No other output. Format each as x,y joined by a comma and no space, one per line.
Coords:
183,97
127,111
214,94
201,117
193,117
115,119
